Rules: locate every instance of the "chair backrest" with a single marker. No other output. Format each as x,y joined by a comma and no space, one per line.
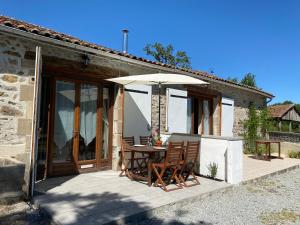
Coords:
128,140
192,151
174,153
144,140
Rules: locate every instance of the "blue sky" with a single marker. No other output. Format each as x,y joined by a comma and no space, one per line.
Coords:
230,37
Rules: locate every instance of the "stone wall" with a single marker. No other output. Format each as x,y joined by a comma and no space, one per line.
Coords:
16,99
285,136
242,100
117,126
16,92
154,114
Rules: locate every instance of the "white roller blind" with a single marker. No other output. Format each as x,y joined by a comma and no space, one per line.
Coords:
137,111
227,117
177,111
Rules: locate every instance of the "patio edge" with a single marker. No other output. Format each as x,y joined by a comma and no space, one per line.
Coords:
148,214
151,212
278,172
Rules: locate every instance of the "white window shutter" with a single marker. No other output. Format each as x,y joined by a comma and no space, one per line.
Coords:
227,117
137,111
176,111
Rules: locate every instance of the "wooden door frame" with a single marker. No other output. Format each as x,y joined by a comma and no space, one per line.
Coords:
98,163
210,99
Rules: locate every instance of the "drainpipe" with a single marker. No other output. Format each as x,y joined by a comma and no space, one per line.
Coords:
35,122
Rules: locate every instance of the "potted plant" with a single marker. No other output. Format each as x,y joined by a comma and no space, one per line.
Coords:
158,141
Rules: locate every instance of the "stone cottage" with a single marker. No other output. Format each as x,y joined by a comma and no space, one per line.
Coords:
60,116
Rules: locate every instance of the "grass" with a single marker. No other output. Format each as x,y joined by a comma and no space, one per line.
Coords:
294,154
264,186
285,216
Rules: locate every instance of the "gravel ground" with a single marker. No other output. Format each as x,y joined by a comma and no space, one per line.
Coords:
271,201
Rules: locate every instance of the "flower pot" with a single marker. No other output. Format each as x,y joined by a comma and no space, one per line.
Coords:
158,143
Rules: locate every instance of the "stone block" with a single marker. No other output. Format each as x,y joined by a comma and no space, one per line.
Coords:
117,127
116,140
27,63
7,110
28,143
12,53
24,127
29,109
26,92
10,78
11,150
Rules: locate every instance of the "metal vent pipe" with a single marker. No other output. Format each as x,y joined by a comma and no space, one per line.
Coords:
125,41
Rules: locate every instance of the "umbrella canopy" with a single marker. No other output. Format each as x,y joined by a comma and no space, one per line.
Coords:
157,78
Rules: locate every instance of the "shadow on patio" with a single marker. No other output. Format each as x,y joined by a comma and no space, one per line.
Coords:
103,209
103,197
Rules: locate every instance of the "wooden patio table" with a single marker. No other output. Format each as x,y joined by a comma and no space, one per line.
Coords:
267,143
150,151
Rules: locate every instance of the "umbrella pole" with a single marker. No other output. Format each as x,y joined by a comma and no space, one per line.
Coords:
159,86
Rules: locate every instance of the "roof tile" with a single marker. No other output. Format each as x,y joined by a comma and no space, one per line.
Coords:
38,30
278,111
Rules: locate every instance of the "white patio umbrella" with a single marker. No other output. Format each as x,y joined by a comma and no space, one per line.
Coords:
158,79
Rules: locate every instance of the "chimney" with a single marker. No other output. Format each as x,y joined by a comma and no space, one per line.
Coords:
125,41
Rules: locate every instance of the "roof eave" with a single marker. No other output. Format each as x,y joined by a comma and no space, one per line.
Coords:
43,39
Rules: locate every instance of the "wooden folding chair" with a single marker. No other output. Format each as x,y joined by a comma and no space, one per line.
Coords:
171,163
144,140
141,162
126,141
189,163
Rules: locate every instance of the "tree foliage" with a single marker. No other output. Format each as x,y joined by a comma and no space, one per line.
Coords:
249,80
166,55
264,122
256,126
251,128
233,79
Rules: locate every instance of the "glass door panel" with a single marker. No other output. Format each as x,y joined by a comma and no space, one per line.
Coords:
200,116
88,122
105,124
206,117
189,115
63,134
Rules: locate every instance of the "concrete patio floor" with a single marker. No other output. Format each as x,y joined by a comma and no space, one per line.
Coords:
103,197
254,168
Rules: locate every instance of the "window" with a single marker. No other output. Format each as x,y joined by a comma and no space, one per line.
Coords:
200,115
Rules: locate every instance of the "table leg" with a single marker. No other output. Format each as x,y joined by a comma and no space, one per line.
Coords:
279,149
256,146
150,170
132,161
269,149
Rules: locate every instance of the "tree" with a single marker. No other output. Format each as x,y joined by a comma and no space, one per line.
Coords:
233,79
251,128
249,80
166,55
264,122
287,102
